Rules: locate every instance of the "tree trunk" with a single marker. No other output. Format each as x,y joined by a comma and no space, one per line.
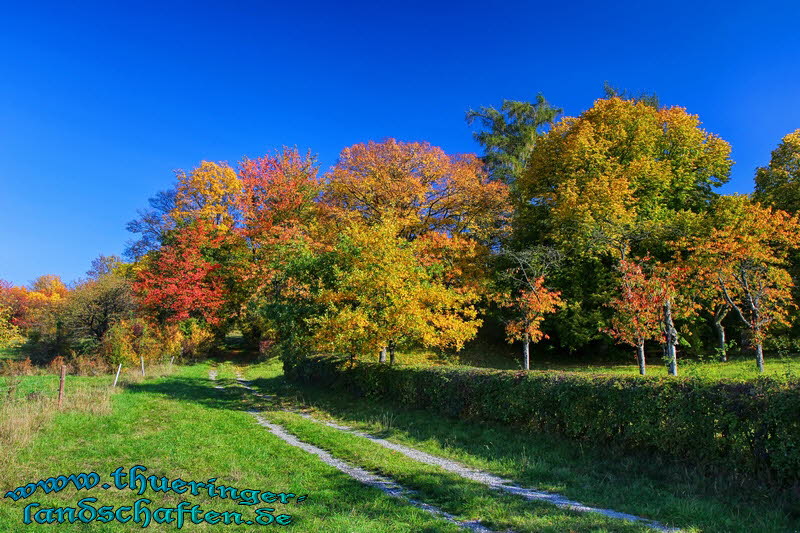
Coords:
383,355
526,352
719,316
723,350
391,352
670,339
640,357
760,357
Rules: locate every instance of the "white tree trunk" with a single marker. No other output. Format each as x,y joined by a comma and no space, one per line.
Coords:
760,357
670,339
526,352
640,358
382,358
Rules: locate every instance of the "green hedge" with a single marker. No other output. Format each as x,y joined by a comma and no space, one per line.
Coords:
751,427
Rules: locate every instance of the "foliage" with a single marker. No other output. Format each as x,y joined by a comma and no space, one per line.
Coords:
151,225
207,193
381,293
181,280
620,163
510,134
94,306
419,185
9,333
778,184
638,307
745,259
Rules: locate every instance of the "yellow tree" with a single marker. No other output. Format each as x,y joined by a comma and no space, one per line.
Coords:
207,193
9,333
745,258
620,164
381,292
778,184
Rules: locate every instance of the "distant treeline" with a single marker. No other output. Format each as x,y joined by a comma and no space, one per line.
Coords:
581,234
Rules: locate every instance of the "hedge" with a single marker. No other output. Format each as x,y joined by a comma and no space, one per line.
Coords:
748,427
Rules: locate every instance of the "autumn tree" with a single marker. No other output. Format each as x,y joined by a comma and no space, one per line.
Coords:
279,216
637,309
677,301
624,175
778,184
745,258
207,193
103,265
382,294
181,280
527,296
419,185
623,161
9,333
94,306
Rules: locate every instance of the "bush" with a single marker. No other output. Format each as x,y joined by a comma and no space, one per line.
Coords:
747,427
24,367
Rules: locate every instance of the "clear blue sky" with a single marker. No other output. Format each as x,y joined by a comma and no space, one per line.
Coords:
99,103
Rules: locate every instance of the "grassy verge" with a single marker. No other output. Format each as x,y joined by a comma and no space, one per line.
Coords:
179,426
739,367
667,491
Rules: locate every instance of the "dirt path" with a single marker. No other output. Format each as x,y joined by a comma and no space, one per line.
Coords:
384,484
480,476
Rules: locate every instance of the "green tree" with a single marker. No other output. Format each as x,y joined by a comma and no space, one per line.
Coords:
509,134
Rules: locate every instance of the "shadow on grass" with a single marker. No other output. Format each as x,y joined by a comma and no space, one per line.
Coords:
198,390
536,459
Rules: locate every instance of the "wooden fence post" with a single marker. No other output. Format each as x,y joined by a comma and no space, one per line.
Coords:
117,377
61,386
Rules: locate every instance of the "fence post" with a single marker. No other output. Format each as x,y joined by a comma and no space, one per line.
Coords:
141,358
117,376
61,386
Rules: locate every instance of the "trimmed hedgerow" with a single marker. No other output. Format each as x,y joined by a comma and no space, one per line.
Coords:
751,427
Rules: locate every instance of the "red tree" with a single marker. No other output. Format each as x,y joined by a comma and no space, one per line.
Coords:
181,281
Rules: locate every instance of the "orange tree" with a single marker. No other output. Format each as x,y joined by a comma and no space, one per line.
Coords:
418,185
279,222
744,257
637,309
521,289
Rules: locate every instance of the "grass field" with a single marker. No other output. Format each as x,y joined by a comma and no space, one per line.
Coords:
739,367
179,425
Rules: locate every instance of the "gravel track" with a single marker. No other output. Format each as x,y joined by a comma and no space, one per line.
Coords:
480,476
384,484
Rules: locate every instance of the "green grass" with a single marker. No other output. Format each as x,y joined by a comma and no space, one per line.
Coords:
739,367
10,352
180,426
667,491
47,385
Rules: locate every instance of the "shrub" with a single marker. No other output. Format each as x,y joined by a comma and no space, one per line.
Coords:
747,427
24,367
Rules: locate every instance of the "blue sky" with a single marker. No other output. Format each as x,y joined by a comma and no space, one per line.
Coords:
100,102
